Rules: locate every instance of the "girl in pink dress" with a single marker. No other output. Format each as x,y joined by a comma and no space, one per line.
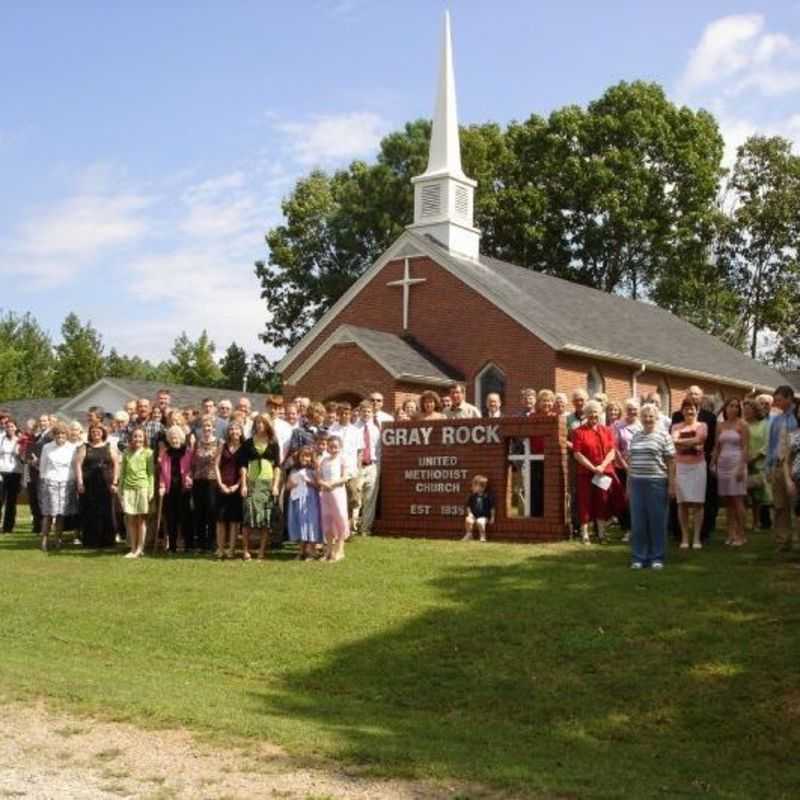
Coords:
333,500
730,461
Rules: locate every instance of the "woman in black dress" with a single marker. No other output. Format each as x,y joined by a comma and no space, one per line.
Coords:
96,468
229,491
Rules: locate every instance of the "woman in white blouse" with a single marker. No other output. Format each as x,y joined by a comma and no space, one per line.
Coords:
57,484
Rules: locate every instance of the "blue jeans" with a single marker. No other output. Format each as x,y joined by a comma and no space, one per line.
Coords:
649,502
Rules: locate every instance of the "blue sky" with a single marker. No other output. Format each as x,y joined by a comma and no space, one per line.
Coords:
145,147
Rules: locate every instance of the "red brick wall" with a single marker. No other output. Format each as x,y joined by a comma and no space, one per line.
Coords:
344,369
571,372
453,322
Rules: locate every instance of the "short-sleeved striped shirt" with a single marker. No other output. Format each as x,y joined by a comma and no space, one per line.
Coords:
649,453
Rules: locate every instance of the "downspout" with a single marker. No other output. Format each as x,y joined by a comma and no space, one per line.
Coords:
634,381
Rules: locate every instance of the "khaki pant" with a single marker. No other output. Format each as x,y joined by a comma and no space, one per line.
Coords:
354,490
370,481
782,502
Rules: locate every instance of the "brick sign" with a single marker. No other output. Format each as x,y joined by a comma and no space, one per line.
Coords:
427,470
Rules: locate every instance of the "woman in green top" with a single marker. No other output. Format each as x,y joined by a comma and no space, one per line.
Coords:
136,486
260,482
757,484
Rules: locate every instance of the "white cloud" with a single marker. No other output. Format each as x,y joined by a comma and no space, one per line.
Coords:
334,137
212,288
52,246
724,48
737,49
340,8
747,76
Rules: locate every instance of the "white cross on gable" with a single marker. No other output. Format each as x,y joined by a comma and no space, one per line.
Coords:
525,459
407,282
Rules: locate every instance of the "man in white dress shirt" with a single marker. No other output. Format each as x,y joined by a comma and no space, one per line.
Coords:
379,416
369,468
283,430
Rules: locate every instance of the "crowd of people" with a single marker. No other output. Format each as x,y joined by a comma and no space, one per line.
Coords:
657,474
225,480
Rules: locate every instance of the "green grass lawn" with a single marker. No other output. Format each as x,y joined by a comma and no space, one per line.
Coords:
553,671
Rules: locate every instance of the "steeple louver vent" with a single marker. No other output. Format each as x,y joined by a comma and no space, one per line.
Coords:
462,202
431,200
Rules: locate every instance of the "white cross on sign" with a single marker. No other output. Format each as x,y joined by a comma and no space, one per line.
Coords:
525,459
406,282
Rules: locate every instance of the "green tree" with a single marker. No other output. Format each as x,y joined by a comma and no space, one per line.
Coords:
234,367
760,243
615,195
193,361
262,376
26,358
116,365
79,357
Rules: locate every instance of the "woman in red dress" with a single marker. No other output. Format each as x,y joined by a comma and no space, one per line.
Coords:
599,494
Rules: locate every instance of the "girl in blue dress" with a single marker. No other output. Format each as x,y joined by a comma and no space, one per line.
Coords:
305,526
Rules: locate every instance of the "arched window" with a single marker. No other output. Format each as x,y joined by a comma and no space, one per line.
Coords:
490,379
665,397
594,382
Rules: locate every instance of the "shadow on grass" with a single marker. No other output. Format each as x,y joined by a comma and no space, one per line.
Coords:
32,542
568,673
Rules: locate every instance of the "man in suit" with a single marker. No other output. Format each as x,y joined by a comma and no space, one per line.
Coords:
43,436
711,508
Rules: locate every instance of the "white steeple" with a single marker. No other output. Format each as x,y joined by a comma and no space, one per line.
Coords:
443,194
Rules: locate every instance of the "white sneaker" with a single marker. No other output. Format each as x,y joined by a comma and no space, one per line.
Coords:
636,564
467,537
697,546
626,537
657,565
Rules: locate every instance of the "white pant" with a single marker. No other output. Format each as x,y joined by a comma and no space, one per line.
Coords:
370,481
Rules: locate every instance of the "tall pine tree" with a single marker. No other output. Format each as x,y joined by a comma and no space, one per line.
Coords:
79,357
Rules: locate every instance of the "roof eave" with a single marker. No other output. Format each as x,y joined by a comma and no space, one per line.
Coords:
618,358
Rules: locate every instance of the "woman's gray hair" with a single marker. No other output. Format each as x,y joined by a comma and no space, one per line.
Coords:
174,431
650,408
593,406
631,402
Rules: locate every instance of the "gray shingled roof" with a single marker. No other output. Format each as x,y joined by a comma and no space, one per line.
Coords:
23,410
792,379
573,317
402,357
183,395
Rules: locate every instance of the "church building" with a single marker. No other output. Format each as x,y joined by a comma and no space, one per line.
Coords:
433,310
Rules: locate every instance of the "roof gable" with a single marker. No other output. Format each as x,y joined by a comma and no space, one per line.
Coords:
399,356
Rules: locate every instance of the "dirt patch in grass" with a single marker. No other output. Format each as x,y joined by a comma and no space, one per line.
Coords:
45,755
